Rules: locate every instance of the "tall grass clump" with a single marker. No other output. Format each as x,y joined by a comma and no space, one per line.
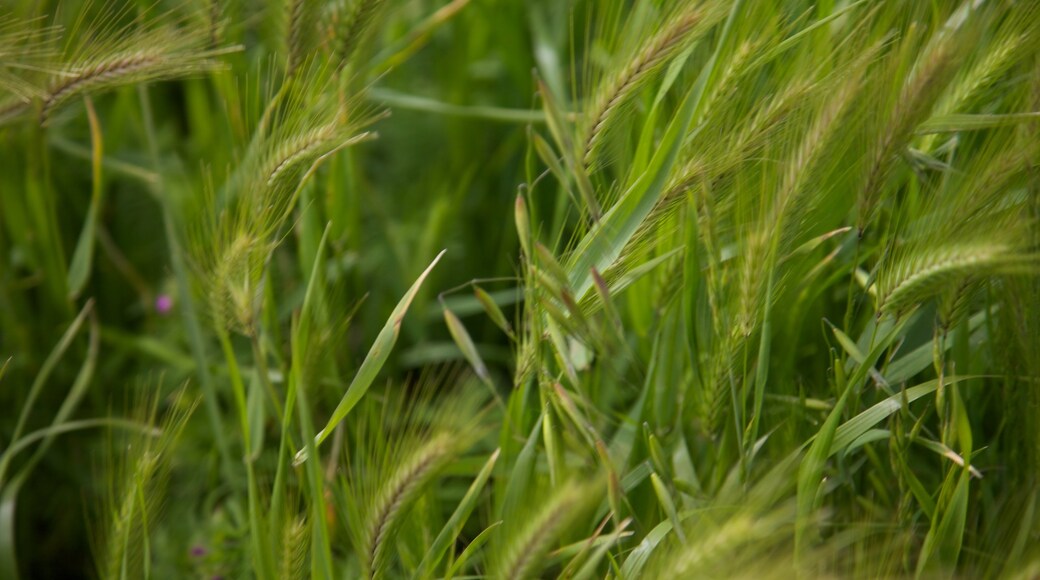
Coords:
520,289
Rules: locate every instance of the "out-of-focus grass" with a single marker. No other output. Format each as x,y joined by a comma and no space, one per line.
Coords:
583,288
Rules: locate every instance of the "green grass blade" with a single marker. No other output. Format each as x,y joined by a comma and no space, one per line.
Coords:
493,311
942,545
321,551
469,350
427,105
450,532
966,122
664,497
45,372
521,474
8,555
560,129
472,548
602,246
373,362
82,260
634,563
48,433
855,427
919,359
10,489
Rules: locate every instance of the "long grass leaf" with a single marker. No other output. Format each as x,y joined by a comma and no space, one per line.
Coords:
373,362
472,548
450,532
636,561
465,343
45,371
855,427
966,122
602,246
83,256
664,497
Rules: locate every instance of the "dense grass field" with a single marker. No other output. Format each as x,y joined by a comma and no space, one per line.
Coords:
519,289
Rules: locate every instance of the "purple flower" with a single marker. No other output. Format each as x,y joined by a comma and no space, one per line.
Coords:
163,304
198,551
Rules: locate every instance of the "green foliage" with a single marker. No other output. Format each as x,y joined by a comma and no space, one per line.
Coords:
723,288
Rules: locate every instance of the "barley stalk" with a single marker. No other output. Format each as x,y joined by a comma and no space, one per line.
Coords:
349,29
296,151
657,51
295,544
301,30
916,97
109,71
395,497
926,272
523,557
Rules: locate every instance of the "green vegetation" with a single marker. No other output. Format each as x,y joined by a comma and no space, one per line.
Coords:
727,289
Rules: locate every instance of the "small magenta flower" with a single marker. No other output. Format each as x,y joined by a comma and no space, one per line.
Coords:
163,304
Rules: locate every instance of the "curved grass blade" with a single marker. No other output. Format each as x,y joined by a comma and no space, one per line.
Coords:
637,559
450,532
9,490
603,544
406,101
665,498
856,427
602,246
493,311
48,433
560,130
477,543
373,362
523,469
45,372
469,350
83,255
967,122
942,545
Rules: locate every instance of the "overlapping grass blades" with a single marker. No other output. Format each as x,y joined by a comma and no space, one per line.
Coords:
755,287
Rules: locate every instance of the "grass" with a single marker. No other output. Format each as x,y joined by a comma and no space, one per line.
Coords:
519,289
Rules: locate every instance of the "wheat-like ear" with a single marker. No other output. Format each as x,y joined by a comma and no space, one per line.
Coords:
103,56
350,23
301,23
400,443
294,549
136,494
932,72
521,554
289,159
679,30
300,129
394,499
1012,40
235,282
982,74
955,303
236,233
924,273
12,108
25,49
121,58
743,141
